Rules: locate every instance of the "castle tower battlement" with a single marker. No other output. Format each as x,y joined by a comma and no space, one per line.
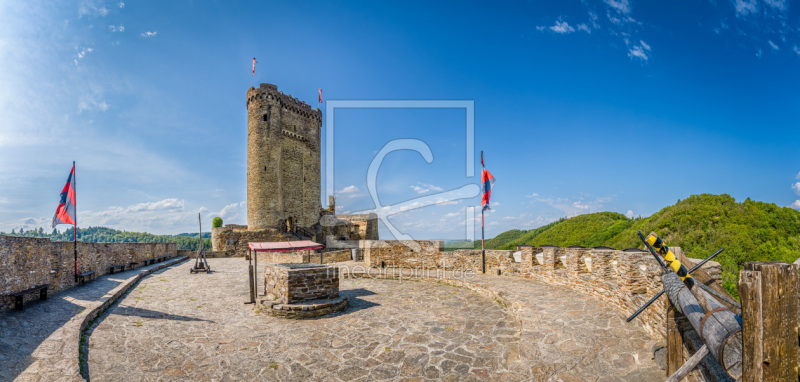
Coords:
283,160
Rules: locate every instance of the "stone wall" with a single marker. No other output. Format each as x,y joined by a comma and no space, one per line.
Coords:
349,227
235,238
26,262
290,283
625,280
304,257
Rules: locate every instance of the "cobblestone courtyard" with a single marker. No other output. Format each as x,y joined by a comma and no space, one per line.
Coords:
174,325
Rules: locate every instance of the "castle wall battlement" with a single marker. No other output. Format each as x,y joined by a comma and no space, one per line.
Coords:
271,92
625,280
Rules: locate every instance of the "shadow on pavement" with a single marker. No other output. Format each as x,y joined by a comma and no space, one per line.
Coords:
131,311
22,333
354,303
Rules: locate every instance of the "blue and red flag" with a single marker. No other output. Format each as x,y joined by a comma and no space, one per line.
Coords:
65,212
320,95
487,182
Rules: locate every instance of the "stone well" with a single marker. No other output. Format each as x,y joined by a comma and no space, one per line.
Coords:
295,282
301,290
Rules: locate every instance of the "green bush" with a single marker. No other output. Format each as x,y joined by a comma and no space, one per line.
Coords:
217,222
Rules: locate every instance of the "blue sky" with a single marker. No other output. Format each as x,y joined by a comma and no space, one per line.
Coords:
579,106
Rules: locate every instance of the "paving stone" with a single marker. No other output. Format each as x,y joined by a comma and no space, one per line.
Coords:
181,326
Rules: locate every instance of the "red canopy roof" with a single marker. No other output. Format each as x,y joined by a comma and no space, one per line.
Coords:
283,246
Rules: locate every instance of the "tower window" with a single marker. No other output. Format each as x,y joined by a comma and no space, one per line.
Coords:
266,117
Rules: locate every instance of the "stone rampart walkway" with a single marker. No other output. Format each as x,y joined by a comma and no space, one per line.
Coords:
41,343
178,326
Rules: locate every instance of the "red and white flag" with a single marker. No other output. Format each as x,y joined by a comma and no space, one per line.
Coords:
254,65
320,95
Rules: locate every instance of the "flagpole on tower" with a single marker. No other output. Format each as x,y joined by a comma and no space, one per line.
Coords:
253,73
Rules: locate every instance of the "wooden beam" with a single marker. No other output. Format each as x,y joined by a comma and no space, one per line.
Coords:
702,276
718,327
770,323
674,340
689,365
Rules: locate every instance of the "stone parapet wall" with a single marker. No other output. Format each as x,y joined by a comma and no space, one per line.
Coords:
26,262
625,280
239,237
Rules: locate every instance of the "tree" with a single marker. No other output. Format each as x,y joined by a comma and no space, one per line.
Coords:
217,222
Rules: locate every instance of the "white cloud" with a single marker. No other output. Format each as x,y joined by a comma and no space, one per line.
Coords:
162,205
161,217
639,51
621,6
773,45
92,8
584,27
777,4
533,195
796,188
81,54
423,188
121,4
568,207
580,206
795,205
91,104
562,27
348,190
149,34
629,214
234,213
114,28
745,7
798,176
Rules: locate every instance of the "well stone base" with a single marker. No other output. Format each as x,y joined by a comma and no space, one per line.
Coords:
305,309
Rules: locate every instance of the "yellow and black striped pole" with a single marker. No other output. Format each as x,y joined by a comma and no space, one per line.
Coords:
665,252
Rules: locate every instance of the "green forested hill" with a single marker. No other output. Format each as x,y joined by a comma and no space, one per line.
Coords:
701,224
108,235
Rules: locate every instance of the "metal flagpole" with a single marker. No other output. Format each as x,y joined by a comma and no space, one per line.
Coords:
483,249
75,242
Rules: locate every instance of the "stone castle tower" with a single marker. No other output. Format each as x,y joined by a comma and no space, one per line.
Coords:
283,161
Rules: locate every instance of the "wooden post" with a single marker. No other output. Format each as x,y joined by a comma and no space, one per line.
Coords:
674,340
769,294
